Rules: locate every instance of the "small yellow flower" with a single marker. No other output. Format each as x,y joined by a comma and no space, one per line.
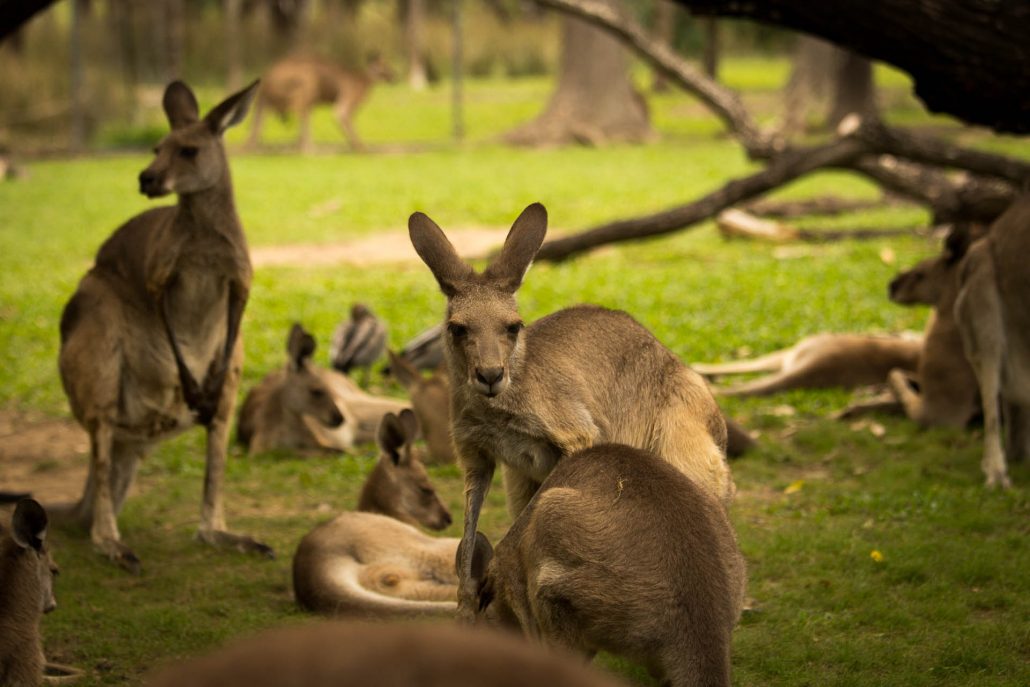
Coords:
794,487
876,556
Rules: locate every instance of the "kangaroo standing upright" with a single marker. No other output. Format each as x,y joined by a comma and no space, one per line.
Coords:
526,397
150,342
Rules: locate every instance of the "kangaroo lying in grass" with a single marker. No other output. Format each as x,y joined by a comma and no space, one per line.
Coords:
993,314
430,399
373,562
821,361
618,551
334,654
26,592
526,397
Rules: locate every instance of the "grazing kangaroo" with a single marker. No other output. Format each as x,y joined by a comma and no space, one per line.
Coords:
993,314
618,551
331,654
430,399
278,411
821,361
295,85
374,562
947,390
525,397
26,592
150,342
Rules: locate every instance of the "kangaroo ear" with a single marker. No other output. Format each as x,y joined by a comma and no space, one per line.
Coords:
391,437
409,423
29,524
232,110
300,346
438,253
180,105
521,246
957,243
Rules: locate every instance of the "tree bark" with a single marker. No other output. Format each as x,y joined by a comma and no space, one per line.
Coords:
664,32
808,85
232,16
414,20
853,90
710,55
968,58
594,101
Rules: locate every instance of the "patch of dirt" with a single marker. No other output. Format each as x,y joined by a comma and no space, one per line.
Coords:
388,246
39,454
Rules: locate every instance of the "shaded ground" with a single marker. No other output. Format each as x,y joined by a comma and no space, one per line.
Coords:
42,455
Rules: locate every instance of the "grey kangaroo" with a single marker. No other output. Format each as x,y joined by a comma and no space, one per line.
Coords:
525,397
26,592
150,342
430,399
618,551
993,313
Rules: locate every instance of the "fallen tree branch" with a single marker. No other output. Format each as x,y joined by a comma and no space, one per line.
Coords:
785,167
826,205
740,224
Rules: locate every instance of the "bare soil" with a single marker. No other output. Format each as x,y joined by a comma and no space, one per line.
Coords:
42,455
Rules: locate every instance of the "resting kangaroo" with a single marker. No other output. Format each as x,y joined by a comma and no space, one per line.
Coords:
297,84
430,399
821,361
947,394
338,654
278,412
618,551
525,397
26,592
993,313
150,341
373,562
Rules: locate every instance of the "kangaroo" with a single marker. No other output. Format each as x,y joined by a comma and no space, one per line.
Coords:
993,317
150,341
525,397
821,361
947,394
620,552
277,412
26,592
358,341
430,399
296,84
374,562
335,653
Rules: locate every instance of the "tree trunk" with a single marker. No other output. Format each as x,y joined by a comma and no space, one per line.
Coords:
809,83
853,92
595,101
233,17
77,77
174,33
710,56
14,14
968,58
414,20
664,32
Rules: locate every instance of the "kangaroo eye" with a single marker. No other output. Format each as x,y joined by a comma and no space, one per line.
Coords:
188,152
317,393
514,329
458,331
426,491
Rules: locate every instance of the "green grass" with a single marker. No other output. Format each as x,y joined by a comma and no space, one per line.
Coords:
948,604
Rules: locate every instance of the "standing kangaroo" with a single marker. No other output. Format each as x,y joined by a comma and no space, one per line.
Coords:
150,342
373,562
993,313
280,411
297,84
526,397
26,592
618,551
947,390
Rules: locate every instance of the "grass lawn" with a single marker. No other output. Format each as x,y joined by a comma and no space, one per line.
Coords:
948,603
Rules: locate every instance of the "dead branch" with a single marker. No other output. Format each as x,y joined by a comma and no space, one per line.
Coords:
826,205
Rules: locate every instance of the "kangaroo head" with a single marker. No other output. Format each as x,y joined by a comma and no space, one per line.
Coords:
378,68
412,496
483,334
33,578
927,281
304,392
191,158
430,399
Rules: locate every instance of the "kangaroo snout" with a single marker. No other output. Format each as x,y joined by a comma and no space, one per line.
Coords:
443,522
150,184
490,381
893,286
335,418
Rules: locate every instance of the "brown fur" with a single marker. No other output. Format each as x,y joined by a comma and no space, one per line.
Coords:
26,592
381,655
525,397
993,314
430,399
374,562
275,413
819,362
947,394
295,85
150,341
620,552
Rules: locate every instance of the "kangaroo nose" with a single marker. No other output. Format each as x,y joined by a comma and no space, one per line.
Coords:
336,419
892,288
489,375
50,606
146,179
446,519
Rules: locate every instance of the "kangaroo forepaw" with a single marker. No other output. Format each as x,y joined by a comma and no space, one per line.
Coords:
227,540
120,554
